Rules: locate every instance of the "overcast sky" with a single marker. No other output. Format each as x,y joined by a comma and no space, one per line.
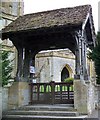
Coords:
31,6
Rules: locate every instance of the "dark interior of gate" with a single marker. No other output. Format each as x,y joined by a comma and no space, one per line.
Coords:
57,29
52,38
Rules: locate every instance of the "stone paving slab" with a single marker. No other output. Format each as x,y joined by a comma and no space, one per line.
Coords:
95,114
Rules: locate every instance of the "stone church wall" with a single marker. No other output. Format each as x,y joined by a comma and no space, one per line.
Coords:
49,65
59,64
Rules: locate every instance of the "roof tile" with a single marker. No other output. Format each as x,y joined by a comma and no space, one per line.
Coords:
63,16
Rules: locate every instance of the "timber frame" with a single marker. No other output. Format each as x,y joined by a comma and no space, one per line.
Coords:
57,29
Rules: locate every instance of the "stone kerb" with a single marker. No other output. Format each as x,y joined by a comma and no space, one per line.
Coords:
18,95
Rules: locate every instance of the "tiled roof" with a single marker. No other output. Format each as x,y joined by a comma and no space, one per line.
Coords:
64,16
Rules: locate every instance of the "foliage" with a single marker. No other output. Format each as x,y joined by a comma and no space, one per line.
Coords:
0,68
68,79
6,68
95,56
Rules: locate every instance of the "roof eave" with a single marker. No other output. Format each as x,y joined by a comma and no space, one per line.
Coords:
6,35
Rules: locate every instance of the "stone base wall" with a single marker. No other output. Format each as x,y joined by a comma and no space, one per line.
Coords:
0,102
80,96
18,95
91,97
5,98
84,96
97,102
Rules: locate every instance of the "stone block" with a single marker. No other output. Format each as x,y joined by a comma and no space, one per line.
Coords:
80,96
97,101
85,96
0,102
5,98
18,95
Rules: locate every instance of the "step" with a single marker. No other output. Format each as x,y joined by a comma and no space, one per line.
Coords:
42,113
48,108
31,117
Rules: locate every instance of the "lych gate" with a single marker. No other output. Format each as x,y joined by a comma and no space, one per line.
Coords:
57,29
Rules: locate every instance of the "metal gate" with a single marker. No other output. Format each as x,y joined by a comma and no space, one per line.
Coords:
52,93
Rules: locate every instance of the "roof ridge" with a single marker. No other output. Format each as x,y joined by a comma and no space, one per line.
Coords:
52,10
58,17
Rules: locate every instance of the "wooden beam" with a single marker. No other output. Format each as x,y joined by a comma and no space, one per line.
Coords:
20,64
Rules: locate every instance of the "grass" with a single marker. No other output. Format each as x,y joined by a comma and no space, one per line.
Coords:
57,88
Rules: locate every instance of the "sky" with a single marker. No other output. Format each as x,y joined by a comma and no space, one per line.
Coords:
32,6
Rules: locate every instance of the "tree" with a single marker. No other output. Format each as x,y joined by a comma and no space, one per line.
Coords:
6,68
95,56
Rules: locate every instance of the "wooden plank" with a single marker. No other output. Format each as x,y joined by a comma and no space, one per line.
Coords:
52,93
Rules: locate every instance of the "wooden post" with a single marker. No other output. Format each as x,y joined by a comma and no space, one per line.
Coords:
45,85
81,55
19,73
84,49
68,86
53,91
38,91
61,92
26,65
77,64
31,93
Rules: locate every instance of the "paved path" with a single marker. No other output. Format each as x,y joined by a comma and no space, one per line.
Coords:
95,114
